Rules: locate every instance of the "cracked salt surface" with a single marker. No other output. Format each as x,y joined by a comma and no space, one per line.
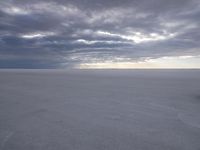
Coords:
4,137
99,109
190,119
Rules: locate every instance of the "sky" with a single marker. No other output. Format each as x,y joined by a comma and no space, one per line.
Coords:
99,34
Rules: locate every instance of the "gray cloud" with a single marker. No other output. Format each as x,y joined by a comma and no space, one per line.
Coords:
63,33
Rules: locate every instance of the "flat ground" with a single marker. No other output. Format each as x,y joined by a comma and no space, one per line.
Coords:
100,110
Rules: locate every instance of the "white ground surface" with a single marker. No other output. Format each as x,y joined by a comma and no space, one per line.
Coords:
100,110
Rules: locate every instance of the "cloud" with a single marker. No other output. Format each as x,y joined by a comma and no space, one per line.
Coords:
37,35
65,33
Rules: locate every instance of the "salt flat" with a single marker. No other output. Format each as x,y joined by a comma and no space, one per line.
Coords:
100,109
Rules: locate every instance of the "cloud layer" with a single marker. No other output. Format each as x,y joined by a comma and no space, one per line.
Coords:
67,33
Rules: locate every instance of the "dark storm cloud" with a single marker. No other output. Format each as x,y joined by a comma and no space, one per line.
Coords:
51,34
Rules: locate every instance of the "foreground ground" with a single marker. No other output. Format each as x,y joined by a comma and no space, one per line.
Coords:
100,110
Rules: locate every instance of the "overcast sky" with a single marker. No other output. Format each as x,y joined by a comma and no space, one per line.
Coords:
99,33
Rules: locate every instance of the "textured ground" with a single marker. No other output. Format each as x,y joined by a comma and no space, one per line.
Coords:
99,110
